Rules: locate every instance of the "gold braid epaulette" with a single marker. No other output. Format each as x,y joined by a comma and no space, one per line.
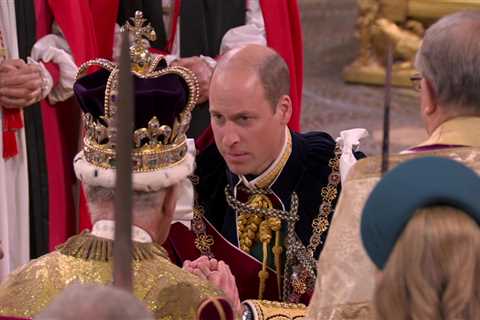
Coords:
273,310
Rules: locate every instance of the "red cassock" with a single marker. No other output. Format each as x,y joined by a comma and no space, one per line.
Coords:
88,37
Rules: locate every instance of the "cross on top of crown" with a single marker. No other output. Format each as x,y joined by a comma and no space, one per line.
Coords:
139,30
137,27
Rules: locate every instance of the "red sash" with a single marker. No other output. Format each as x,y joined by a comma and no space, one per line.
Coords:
11,122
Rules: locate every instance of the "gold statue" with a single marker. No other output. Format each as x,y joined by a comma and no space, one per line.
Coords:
401,22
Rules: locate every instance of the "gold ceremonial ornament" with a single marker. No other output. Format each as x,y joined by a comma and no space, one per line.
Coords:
155,146
298,276
402,22
272,310
142,59
253,226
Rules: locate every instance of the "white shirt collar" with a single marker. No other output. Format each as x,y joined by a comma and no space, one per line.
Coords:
106,229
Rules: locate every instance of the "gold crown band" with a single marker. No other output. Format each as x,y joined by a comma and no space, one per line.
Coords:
142,161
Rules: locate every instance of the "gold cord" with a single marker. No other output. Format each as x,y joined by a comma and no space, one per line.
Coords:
277,252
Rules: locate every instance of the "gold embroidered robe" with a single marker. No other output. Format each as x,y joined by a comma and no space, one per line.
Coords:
346,276
168,291
464,131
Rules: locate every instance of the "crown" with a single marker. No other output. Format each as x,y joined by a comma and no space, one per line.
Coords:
164,99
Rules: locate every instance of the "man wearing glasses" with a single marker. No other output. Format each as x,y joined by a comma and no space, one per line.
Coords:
449,86
449,82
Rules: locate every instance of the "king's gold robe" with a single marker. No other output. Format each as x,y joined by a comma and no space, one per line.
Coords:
168,291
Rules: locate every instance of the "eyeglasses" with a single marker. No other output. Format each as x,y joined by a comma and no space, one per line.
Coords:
416,81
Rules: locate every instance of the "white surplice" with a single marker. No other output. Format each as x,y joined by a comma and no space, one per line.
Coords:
14,206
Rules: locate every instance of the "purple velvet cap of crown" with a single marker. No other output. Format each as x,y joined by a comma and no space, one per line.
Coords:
164,97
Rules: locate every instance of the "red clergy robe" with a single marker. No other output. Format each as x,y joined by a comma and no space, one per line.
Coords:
89,37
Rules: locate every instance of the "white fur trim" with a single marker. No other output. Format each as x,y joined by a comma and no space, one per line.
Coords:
184,207
54,48
142,181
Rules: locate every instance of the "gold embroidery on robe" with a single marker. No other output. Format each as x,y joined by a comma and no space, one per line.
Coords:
168,291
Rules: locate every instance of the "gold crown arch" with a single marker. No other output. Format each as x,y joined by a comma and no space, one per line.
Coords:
155,146
403,22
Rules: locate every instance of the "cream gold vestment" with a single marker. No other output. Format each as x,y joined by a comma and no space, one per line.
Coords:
168,291
345,275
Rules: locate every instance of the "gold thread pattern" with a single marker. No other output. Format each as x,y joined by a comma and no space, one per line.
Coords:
168,291
271,310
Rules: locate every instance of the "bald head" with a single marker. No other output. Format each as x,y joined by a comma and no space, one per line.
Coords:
266,64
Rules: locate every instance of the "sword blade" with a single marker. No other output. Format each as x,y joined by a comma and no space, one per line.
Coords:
122,249
386,110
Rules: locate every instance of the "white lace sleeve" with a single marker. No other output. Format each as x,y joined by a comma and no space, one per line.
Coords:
253,31
350,141
54,48
47,80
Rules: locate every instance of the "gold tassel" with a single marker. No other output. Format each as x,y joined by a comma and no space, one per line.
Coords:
276,224
263,274
265,236
247,228
277,252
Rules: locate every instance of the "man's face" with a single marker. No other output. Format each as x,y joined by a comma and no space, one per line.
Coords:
248,133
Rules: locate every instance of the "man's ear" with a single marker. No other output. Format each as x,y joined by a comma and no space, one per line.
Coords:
430,96
284,109
170,202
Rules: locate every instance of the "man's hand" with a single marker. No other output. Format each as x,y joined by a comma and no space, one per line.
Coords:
20,84
201,267
203,72
224,279
218,273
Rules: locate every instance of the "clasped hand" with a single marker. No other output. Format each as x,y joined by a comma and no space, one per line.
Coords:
203,72
20,84
218,273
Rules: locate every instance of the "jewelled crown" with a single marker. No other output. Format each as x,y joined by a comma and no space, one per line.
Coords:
164,99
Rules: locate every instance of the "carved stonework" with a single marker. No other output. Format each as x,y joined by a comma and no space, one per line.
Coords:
403,22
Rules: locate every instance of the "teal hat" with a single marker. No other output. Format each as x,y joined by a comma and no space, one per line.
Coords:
412,185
